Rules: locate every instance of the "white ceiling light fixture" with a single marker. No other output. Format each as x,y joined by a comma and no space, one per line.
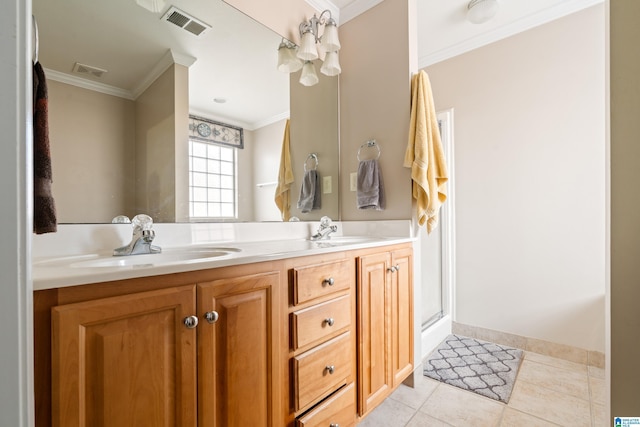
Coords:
308,49
154,6
481,11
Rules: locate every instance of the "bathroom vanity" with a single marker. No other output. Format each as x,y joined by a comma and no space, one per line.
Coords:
302,337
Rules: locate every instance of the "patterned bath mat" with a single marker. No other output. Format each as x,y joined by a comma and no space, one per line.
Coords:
482,367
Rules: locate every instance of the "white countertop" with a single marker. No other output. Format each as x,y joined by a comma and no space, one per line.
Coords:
54,267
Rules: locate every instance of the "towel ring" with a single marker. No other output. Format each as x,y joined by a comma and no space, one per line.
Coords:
370,143
312,156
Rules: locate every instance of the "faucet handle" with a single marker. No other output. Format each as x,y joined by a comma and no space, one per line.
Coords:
325,221
142,222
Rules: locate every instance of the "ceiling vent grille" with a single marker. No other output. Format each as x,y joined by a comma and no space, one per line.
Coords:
185,21
88,70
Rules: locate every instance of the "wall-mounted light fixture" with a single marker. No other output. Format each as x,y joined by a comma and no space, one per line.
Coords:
480,11
291,58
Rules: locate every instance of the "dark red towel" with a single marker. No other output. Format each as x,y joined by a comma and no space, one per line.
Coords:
44,208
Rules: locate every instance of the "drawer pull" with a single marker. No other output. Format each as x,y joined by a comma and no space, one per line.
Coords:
190,321
330,368
211,316
334,425
328,281
329,321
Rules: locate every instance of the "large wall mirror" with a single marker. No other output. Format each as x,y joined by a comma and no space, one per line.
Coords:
123,82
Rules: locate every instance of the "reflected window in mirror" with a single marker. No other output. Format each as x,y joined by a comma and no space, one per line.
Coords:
212,181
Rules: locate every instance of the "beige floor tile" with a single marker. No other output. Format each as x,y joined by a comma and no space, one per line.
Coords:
462,408
390,413
598,390
513,418
550,405
599,415
424,420
567,381
596,372
554,361
416,396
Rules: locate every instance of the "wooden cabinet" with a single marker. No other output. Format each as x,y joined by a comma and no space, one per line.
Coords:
308,341
322,338
236,351
385,324
133,360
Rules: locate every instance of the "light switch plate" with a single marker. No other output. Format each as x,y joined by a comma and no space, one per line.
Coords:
353,180
326,184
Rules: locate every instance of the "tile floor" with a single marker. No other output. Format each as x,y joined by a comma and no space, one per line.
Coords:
547,392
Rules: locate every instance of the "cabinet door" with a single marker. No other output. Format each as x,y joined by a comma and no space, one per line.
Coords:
374,297
402,315
237,351
125,361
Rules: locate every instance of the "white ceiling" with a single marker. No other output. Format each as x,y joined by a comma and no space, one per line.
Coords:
236,59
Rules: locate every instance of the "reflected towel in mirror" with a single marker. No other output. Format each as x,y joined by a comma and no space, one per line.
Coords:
309,192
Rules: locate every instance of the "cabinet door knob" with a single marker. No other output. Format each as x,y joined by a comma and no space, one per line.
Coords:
330,368
211,316
397,267
392,269
328,281
334,425
190,321
329,321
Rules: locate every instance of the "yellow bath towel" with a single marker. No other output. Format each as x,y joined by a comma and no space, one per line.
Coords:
285,178
424,154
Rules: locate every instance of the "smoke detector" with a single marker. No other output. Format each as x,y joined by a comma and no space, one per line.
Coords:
185,21
88,70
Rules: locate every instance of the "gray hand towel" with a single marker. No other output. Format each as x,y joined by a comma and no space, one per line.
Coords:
309,192
370,193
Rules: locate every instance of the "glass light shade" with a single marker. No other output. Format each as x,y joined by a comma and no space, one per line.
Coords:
308,76
480,11
330,41
307,50
154,6
288,62
331,65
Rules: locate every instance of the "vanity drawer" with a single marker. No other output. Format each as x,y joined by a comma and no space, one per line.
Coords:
323,279
320,321
321,370
337,410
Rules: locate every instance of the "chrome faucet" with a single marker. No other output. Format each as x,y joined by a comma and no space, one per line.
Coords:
141,240
325,229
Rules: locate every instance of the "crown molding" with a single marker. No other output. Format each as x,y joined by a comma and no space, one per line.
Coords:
167,60
523,24
322,5
88,84
356,8
269,120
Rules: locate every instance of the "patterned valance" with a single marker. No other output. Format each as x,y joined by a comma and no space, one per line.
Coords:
206,130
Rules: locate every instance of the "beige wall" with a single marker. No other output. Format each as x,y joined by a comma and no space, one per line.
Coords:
159,152
625,205
267,148
375,98
530,180
314,129
92,149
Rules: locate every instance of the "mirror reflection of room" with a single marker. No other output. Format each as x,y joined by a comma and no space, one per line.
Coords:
124,86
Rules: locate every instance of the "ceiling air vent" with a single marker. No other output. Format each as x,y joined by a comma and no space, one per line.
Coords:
185,21
88,70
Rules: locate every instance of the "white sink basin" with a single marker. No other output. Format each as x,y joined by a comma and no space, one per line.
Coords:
171,256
